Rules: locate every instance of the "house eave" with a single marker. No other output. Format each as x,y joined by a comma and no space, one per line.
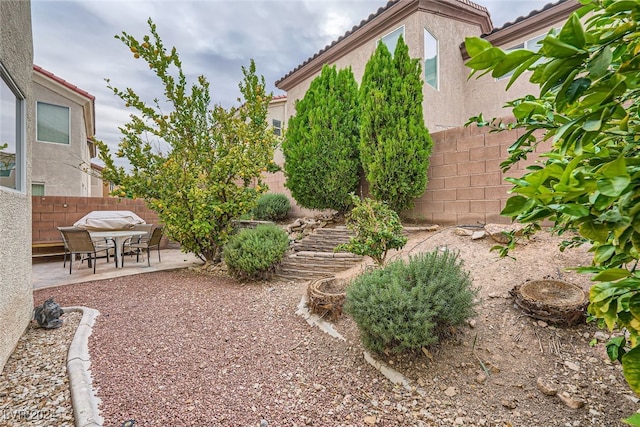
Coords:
71,92
511,32
386,17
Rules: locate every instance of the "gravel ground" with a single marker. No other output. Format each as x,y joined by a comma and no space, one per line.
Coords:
34,387
185,349
182,348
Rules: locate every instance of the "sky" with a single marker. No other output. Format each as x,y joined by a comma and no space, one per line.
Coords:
74,39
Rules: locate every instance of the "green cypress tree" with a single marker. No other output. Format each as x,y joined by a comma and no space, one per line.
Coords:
395,144
322,163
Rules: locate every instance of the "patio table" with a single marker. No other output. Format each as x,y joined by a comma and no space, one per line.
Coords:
118,236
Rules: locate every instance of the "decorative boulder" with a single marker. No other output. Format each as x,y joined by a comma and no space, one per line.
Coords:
48,314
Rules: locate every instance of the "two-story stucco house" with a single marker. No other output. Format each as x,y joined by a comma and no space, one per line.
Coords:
63,149
16,134
435,31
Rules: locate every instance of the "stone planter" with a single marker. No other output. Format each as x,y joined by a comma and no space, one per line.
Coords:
326,297
553,301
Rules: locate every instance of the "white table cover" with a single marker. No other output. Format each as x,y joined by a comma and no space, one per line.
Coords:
108,220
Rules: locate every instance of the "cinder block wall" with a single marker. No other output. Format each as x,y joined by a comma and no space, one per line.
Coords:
50,212
466,185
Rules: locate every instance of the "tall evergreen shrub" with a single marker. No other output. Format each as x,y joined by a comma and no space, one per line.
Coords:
322,163
395,144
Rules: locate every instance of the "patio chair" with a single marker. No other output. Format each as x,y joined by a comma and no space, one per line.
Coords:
64,241
79,242
137,239
153,242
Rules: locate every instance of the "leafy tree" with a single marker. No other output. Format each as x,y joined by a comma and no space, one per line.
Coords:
322,163
395,145
211,171
589,181
377,229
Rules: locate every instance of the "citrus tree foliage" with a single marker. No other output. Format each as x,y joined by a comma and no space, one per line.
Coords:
322,163
211,172
589,181
377,229
395,145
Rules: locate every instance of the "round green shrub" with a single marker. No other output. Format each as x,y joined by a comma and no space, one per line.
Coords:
408,305
254,252
271,207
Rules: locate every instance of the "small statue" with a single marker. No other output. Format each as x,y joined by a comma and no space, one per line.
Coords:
48,315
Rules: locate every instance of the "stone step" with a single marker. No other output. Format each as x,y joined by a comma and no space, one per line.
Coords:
298,275
313,257
319,264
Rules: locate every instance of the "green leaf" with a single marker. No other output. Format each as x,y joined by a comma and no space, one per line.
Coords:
577,88
593,123
514,206
634,305
554,48
615,348
572,32
476,45
486,59
616,179
633,420
595,232
612,274
526,108
603,253
631,368
573,210
511,61
522,68
622,6
600,63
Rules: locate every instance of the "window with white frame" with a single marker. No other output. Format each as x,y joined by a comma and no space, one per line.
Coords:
391,39
430,59
52,123
12,129
277,127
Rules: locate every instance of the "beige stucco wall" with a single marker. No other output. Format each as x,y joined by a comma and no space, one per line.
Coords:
59,166
488,96
16,299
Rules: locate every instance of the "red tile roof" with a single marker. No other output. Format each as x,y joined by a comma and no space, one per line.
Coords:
364,22
530,15
63,82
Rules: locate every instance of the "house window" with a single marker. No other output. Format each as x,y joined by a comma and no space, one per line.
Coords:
52,123
12,131
430,59
277,127
531,44
391,39
37,189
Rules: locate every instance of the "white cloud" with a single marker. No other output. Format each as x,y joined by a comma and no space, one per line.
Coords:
74,39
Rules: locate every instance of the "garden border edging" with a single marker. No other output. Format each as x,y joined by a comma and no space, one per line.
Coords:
83,399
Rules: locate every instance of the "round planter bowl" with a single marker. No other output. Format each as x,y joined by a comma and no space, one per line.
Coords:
553,301
325,297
